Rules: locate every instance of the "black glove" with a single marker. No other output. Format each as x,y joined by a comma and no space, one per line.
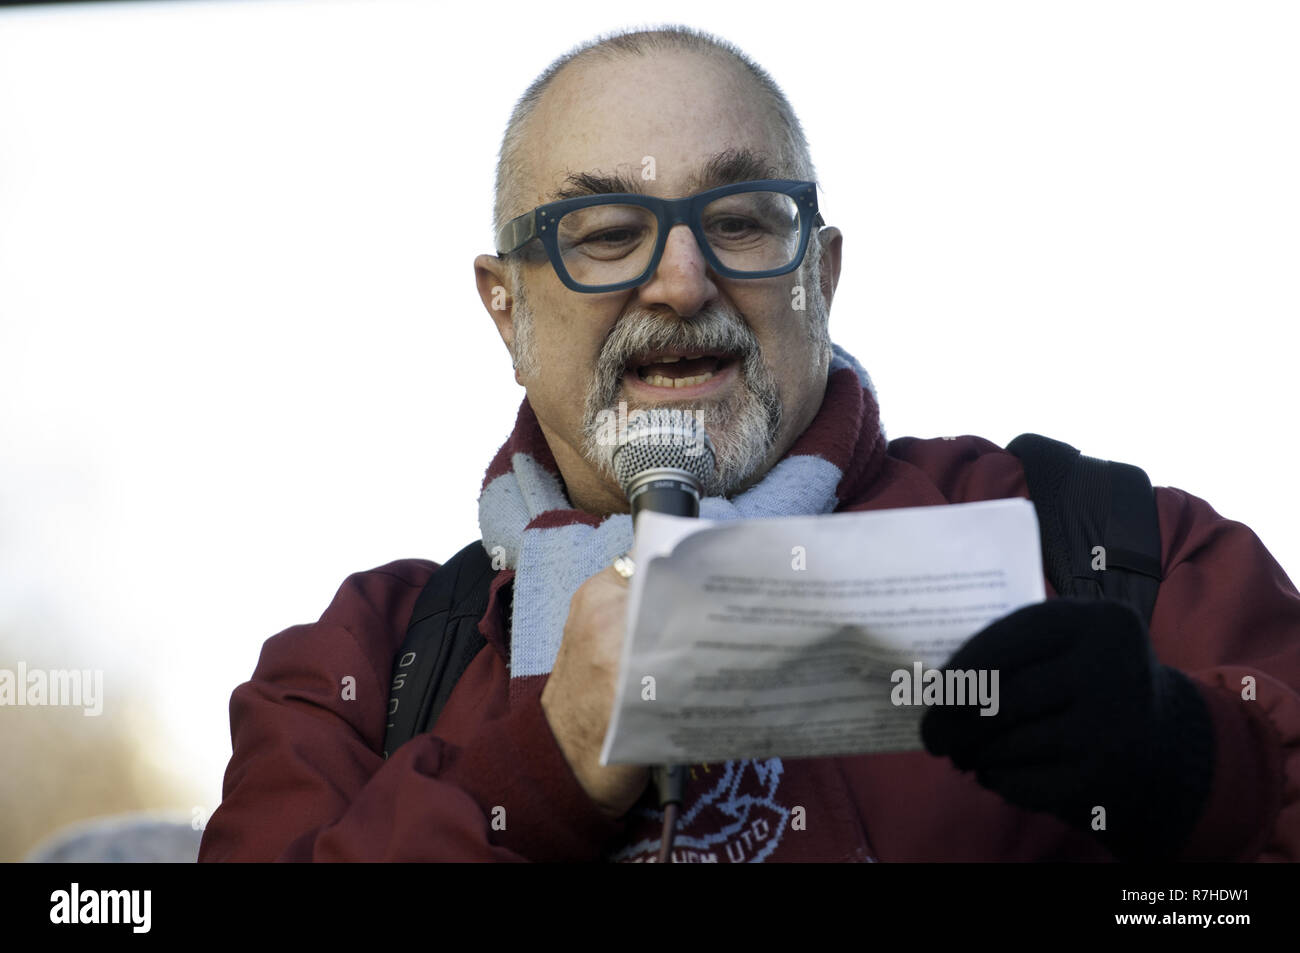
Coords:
1087,717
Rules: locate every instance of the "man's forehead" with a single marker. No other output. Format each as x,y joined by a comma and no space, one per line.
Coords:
666,125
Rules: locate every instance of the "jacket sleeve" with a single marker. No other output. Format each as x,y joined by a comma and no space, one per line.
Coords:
306,780
1228,616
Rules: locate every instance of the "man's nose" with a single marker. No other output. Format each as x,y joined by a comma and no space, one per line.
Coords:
682,280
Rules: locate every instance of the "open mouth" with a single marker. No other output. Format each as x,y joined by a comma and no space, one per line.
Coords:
677,369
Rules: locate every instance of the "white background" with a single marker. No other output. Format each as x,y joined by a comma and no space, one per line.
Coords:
241,353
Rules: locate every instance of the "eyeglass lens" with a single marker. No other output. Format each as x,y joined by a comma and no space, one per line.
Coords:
748,231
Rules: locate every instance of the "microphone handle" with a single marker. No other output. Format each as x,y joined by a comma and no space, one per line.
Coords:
670,496
670,779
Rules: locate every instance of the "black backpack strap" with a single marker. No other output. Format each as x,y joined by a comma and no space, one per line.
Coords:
1082,503
441,640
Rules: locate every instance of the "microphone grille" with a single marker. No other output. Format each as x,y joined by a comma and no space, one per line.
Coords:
663,437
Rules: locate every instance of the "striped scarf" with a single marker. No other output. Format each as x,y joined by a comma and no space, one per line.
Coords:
554,548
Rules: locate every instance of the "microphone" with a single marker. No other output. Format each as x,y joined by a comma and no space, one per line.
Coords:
662,463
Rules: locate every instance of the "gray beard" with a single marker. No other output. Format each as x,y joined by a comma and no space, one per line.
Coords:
742,426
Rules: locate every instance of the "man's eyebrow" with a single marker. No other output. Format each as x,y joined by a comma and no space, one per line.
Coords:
725,168
577,184
733,165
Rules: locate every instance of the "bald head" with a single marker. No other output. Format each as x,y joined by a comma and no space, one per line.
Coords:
695,60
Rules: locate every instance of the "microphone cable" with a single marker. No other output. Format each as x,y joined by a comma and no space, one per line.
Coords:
671,782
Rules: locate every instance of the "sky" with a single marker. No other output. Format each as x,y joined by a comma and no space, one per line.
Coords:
242,355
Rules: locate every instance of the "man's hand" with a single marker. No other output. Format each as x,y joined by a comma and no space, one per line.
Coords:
579,695
1088,718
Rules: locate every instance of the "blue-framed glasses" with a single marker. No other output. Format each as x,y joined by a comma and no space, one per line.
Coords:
609,242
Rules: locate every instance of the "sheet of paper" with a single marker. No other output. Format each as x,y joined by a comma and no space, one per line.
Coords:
811,636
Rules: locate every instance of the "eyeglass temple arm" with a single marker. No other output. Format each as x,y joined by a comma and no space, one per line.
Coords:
516,232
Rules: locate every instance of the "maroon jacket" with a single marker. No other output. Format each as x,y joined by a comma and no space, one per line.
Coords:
307,782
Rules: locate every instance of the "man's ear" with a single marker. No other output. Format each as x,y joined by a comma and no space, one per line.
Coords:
832,242
495,293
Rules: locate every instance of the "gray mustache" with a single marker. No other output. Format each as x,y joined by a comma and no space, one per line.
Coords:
715,331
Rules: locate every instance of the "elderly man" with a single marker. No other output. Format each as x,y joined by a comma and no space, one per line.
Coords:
659,244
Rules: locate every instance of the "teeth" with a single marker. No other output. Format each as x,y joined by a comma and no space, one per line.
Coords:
658,380
668,360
